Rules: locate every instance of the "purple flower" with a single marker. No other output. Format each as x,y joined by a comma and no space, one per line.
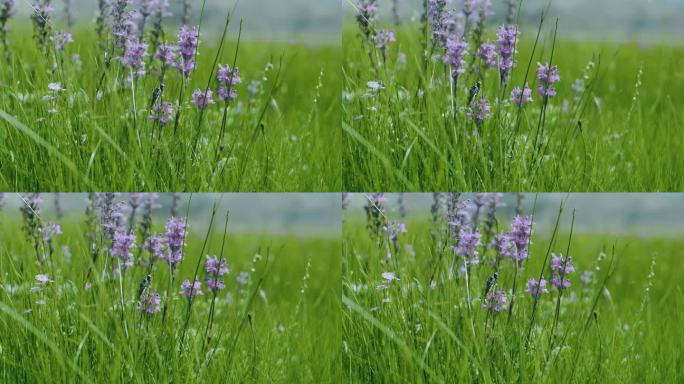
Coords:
487,53
521,230
162,112
167,54
50,230
175,240
61,39
149,303
383,39
394,229
547,77
389,276
560,268
480,111
455,52
134,57
215,284
216,266
55,87
495,301
562,265
43,279
536,288
122,249
228,78
521,97
504,244
202,99
505,46
190,290
468,241
155,245
188,41
367,12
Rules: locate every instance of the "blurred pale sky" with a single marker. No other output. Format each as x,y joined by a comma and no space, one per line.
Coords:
300,214
273,20
646,20
646,214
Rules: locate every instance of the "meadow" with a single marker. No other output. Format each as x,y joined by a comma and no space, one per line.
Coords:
99,106
468,294
83,302
454,103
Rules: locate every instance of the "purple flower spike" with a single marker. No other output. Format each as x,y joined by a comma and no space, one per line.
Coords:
134,57
547,78
383,39
191,290
149,303
560,268
455,52
175,240
162,112
188,41
215,268
61,39
228,78
481,111
520,97
122,249
536,289
495,301
202,99
487,53
505,46
468,241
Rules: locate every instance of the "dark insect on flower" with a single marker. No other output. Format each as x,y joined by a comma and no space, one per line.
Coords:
474,91
491,282
144,285
156,95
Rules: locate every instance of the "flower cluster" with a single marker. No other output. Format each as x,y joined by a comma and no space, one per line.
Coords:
480,111
505,47
228,78
122,249
536,288
456,50
547,77
495,301
561,267
215,268
202,99
521,97
175,240
191,290
367,13
162,113
149,303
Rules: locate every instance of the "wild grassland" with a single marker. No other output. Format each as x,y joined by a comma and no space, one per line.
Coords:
425,321
617,130
62,318
281,133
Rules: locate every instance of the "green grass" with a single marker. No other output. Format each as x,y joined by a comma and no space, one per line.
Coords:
431,335
628,139
282,139
276,328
